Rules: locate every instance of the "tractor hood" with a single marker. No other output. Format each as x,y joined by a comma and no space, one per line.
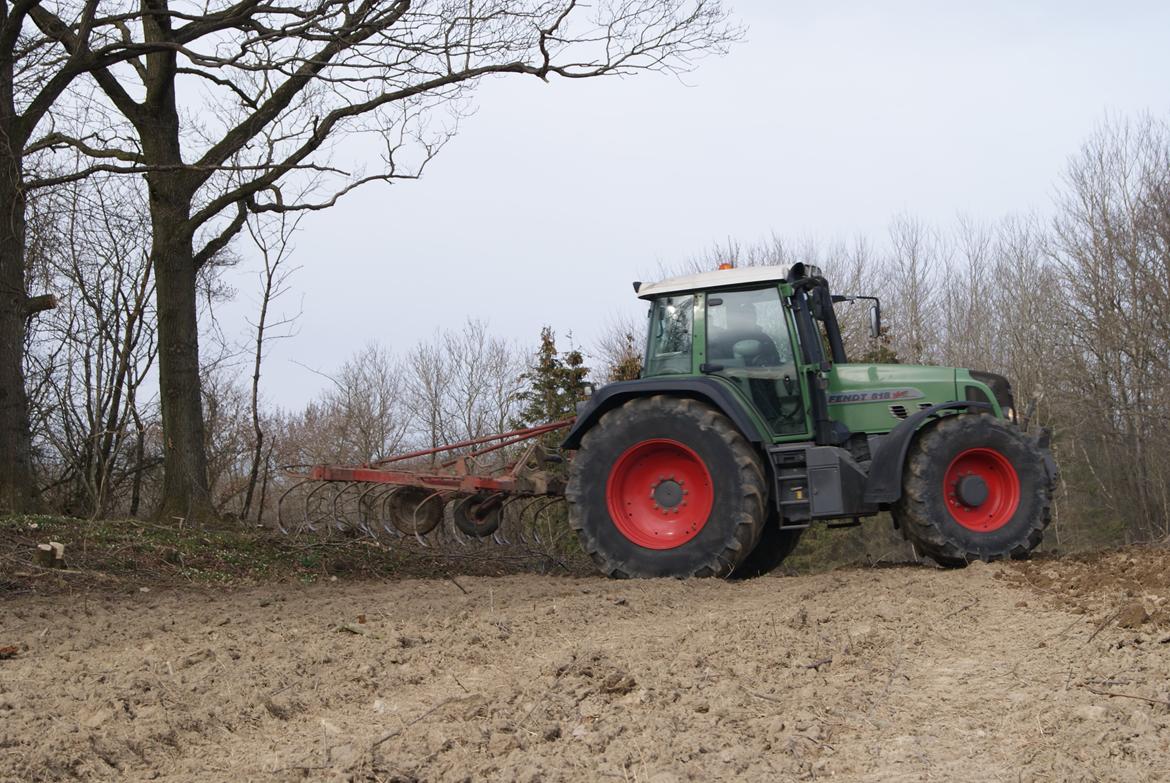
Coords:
877,397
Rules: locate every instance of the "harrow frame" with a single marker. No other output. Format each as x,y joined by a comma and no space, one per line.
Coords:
366,498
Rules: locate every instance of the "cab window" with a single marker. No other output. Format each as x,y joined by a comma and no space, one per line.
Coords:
749,342
668,351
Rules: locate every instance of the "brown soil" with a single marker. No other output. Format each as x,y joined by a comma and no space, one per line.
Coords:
1037,671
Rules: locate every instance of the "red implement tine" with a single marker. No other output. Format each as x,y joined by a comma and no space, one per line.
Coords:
422,502
363,507
449,519
549,503
341,522
311,519
500,536
281,513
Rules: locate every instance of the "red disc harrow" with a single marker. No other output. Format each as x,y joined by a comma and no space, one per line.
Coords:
496,488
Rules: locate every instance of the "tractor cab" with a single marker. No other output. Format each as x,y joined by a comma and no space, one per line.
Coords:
769,332
733,325
771,335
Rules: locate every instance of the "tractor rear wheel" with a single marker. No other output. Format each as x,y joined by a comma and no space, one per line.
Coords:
974,488
774,546
665,486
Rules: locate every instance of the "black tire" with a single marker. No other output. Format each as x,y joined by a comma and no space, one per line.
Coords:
415,510
774,546
923,512
738,492
473,517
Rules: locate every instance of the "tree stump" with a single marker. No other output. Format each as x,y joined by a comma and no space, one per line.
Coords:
50,555
44,556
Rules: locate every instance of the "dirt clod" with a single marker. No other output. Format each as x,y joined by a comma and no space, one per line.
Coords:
1133,616
618,683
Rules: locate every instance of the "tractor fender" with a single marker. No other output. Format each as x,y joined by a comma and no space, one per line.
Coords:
705,389
884,484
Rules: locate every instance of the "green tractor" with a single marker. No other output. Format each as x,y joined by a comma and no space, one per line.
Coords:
748,424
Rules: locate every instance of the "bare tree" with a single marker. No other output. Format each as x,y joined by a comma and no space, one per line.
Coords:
620,348
89,359
272,238
917,253
427,376
34,77
288,80
1109,244
461,385
483,381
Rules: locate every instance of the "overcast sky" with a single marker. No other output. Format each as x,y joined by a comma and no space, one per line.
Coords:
827,120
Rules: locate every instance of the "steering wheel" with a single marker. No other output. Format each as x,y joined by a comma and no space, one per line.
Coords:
755,353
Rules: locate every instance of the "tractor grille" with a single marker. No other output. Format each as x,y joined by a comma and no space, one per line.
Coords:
900,411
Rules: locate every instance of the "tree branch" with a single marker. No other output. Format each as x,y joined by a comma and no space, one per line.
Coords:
221,241
38,304
57,139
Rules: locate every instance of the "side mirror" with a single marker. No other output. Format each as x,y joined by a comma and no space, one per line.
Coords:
875,321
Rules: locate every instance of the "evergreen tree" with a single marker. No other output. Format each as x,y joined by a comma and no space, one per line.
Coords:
879,351
627,366
553,384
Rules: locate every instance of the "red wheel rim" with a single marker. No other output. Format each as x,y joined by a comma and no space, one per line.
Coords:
659,494
1000,480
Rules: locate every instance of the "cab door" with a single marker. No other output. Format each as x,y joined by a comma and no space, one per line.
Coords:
749,342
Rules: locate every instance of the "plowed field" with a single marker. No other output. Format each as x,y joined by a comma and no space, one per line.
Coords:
1049,670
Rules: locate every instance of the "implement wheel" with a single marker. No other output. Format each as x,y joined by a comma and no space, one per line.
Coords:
415,510
477,515
974,488
665,486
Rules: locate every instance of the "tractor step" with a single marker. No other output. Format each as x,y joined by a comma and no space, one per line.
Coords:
792,490
836,523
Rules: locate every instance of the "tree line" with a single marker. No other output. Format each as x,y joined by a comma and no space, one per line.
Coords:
1072,305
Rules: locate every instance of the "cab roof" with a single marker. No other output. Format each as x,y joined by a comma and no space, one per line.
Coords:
718,279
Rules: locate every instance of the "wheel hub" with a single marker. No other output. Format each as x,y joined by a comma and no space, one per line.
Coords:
972,491
668,494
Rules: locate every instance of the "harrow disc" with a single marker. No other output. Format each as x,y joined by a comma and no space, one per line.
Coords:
477,515
415,510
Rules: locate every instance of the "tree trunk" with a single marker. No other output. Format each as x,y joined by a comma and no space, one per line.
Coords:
186,494
257,430
17,493
264,487
139,462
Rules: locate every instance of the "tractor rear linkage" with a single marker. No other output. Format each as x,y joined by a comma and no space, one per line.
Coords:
411,495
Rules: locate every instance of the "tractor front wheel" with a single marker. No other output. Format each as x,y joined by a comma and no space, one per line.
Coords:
974,488
666,487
